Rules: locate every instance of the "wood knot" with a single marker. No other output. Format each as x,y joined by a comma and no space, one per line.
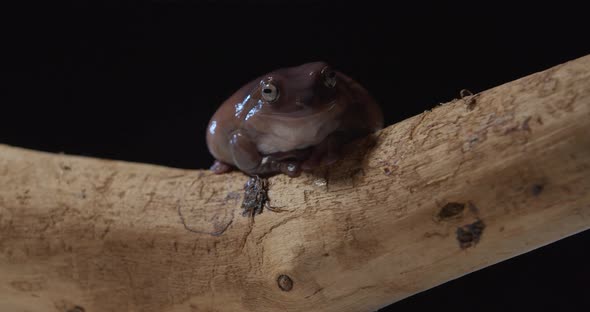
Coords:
285,282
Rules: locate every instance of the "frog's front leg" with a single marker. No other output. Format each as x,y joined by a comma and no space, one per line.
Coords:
247,158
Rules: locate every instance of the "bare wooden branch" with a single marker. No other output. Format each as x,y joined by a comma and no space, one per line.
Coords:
455,189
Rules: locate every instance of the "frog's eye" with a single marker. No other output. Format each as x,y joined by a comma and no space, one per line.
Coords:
269,92
329,77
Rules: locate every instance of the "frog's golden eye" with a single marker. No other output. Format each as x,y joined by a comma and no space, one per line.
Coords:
269,92
329,77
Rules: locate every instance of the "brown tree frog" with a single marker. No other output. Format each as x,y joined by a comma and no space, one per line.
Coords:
290,120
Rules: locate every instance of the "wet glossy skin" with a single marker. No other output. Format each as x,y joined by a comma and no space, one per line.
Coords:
290,120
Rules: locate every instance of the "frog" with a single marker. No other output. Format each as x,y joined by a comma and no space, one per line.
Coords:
290,120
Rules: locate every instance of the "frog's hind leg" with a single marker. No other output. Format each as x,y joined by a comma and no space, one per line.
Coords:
220,167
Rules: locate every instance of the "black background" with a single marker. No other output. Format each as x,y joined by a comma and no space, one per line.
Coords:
139,81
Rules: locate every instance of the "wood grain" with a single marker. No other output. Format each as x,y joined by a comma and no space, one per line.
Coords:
450,191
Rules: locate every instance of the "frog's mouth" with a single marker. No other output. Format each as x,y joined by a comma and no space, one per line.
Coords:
332,108
294,155
287,132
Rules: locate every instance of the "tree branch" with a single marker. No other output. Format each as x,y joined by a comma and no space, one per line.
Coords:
450,191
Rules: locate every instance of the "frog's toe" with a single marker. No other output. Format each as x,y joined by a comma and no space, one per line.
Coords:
220,167
291,168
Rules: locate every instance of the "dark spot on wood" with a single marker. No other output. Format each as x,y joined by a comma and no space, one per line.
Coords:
326,254
525,124
387,171
285,283
450,210
76,309
501,229
537,189
66,167
471,103
470,234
